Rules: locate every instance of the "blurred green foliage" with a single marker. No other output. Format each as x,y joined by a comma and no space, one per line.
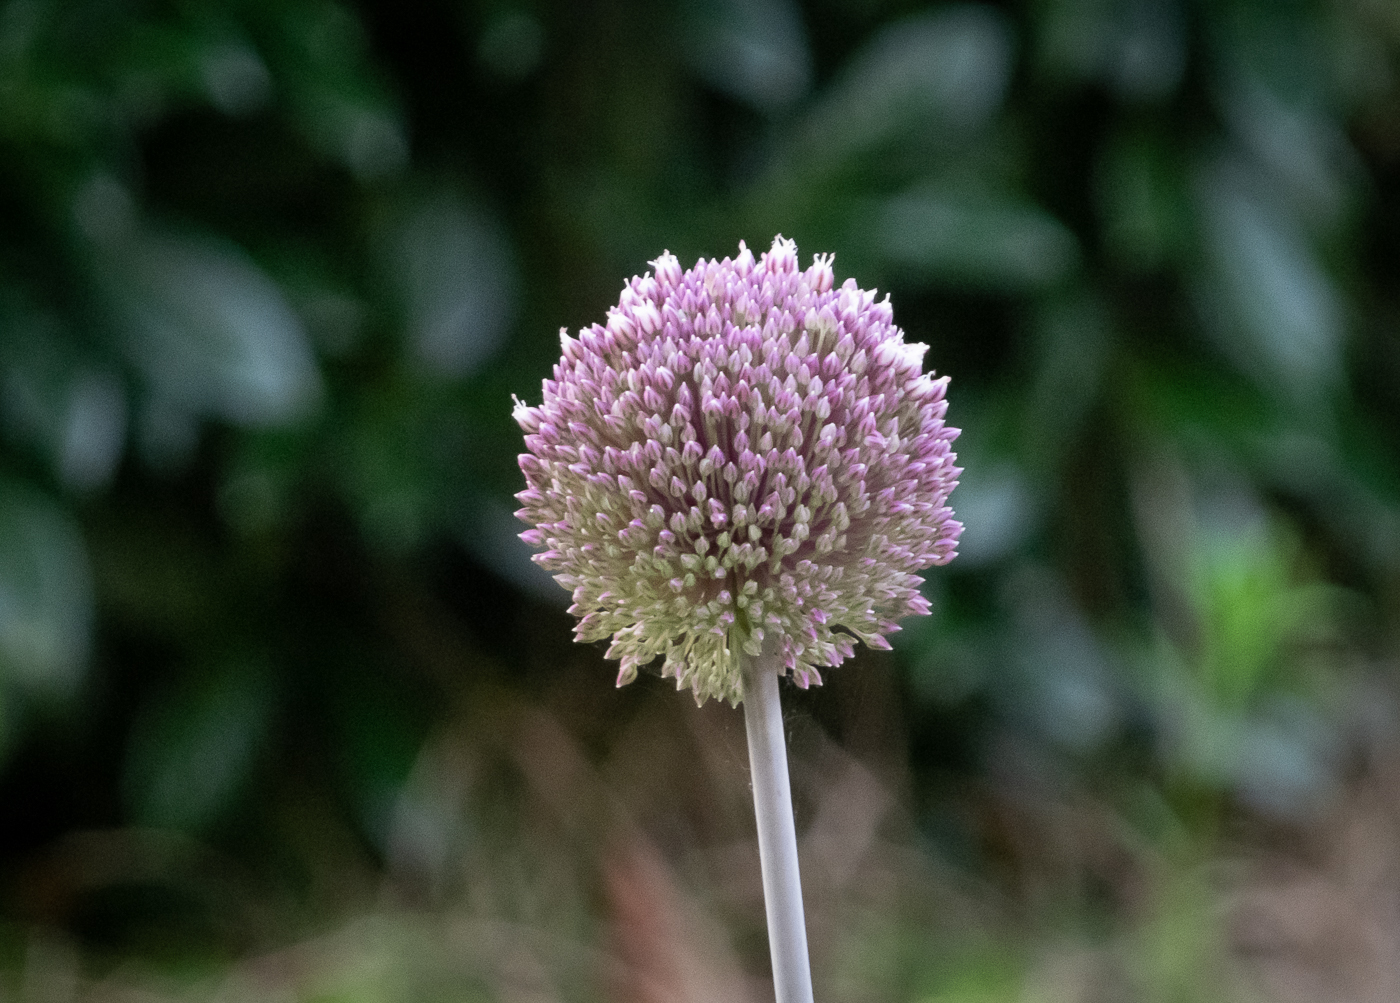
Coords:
271,269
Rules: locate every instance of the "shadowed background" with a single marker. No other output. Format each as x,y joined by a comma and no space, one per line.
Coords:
287,714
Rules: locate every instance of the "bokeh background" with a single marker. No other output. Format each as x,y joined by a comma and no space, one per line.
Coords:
288,716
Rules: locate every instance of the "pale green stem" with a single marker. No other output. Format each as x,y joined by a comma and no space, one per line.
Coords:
777,837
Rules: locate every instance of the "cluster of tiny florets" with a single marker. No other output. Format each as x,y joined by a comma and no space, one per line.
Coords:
742,454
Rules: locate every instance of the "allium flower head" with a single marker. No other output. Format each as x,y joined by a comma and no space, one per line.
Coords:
742,454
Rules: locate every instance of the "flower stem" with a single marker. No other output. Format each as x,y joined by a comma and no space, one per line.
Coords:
777,837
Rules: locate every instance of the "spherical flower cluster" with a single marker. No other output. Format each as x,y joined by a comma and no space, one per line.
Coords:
742,454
